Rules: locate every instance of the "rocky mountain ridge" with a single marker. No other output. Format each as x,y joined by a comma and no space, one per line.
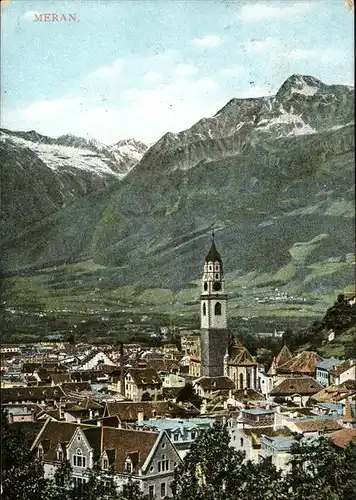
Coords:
273,175
40,174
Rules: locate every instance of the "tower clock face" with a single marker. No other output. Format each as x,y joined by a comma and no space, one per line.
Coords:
217,286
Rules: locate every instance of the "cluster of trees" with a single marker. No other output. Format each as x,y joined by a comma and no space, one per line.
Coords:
211,471
340,317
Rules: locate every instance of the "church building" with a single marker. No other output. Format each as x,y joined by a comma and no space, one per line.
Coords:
214,336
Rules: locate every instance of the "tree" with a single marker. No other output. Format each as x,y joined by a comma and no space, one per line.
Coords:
22,476
262,482
131,491
188,395
100,486
318,469
210,470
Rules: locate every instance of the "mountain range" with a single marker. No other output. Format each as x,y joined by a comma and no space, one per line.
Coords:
272,175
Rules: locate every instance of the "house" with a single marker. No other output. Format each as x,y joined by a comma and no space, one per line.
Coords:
314,426
266,380
325,371
143,384
40,395
303,364
296,389
130,411
277,449
194,366
248,440
257,417
335,393
345,371
206,386
168,371
10,350
94,359
182,432
148,457
22,412
87,409
190,343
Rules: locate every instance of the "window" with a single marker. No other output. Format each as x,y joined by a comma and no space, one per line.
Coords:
217,276
176,436
128,466
40,452
163,490
163,464
218,309
210,268
151,490
78,482
217,286
241,381
241,442
60,455
105,463
205,286
78,459
204,309
193,435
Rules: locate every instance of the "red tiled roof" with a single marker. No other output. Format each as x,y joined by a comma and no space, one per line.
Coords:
304,363
215,383
145,376
318,425
343,437
128,410
296,385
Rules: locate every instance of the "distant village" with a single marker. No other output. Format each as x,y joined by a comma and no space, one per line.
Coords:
136,410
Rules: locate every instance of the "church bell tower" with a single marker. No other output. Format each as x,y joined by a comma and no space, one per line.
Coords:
214,336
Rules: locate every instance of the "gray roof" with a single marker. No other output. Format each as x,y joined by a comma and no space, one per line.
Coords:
329,363
258,411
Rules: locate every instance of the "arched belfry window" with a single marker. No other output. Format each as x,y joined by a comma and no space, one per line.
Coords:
218,309
204,309
205,286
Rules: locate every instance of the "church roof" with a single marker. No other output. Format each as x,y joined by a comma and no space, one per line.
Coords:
213,254
243,358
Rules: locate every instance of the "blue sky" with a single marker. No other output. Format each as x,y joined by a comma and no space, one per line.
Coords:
141,68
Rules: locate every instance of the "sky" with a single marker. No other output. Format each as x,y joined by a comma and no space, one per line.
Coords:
116,69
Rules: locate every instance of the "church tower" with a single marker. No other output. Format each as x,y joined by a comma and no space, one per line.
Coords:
214,336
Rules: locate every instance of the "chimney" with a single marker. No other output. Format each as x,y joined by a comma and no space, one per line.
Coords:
90,414
78,420
99,423
140,416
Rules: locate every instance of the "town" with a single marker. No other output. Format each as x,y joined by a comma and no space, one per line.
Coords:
136,410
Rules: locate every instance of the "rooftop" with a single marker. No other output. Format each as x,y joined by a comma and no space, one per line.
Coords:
329,363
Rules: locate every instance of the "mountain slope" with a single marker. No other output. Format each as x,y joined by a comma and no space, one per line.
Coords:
41,175
273,175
